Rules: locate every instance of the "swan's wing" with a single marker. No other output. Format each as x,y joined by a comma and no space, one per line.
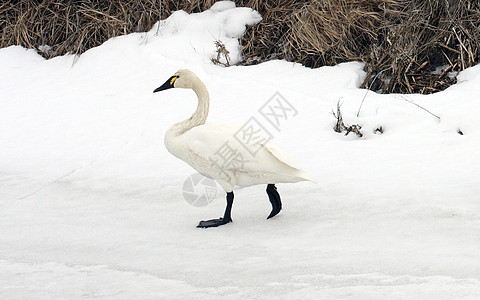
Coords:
281,156
210,140
277,152
224,146
219,144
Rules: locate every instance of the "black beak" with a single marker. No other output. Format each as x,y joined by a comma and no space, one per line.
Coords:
167,85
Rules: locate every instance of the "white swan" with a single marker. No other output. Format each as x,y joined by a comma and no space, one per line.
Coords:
225,153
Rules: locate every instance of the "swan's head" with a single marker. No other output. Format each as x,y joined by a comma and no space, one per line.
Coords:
181,79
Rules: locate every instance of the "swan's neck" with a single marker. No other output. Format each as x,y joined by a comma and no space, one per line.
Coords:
200,115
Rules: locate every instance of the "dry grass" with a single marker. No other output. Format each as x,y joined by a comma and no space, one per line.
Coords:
400,41
72,26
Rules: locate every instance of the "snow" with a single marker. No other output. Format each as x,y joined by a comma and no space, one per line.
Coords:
223,22
92,203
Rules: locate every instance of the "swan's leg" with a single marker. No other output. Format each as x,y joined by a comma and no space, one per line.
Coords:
274,198
227,216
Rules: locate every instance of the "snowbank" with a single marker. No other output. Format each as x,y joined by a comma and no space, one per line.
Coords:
193,35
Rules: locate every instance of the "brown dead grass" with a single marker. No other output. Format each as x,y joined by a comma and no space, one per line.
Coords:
72,26
401,42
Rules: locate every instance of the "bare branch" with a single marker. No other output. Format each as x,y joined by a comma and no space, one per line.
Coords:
411,102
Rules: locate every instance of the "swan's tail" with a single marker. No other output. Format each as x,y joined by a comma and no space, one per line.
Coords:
306,177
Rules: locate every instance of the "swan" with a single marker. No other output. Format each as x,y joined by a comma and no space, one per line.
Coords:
205,147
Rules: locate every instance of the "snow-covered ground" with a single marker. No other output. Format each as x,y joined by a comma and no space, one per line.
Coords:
91,203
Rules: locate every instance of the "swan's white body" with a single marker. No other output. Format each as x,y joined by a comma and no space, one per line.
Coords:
213,150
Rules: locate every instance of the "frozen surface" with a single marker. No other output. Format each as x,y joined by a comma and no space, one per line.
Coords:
91,203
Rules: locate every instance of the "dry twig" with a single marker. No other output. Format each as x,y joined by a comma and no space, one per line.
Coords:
221,52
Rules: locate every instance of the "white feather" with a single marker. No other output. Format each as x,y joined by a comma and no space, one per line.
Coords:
217,151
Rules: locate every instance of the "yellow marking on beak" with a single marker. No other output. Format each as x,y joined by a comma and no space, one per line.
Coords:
173,80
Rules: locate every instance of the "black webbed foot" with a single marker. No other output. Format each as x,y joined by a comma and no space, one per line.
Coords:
213,223
220,221
275,200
